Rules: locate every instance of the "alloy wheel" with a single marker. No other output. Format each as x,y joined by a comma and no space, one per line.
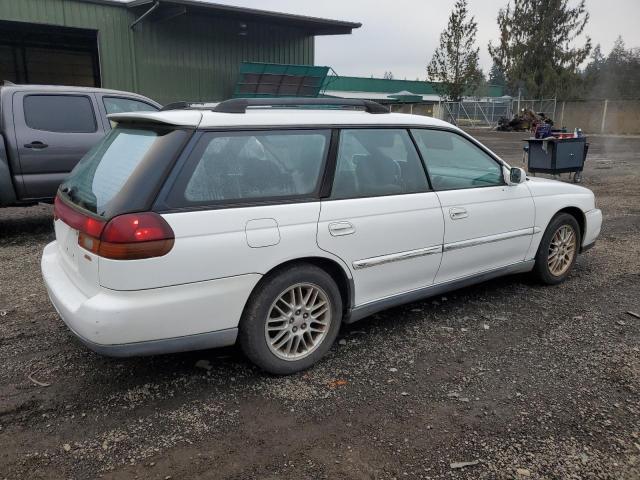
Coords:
562,250
298,321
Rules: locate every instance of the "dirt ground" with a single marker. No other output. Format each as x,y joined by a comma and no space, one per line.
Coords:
522,380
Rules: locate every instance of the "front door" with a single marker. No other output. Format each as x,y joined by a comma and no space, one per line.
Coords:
382,219
488,224
53,132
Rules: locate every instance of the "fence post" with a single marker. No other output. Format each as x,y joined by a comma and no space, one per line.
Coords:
561,123
604,115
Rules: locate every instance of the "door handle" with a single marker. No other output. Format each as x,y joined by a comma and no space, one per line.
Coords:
37,145
338,229
458,213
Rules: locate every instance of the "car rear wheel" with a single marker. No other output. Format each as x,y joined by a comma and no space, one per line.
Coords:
558,249
291,319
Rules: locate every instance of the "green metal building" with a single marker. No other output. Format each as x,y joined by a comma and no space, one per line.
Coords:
168,50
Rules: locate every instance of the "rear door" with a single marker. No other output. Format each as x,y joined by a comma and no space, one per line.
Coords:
110,103
53,132
382,219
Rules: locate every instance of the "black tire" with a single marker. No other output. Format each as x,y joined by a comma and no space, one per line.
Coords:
577,177
252,336
541,269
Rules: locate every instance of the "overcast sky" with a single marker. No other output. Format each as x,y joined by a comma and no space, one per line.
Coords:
401,35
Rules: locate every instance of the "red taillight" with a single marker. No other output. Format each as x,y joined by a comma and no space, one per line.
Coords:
135,236
76,220
126,237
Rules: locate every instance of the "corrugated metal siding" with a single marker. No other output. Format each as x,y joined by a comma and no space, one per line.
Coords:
191,57
198,58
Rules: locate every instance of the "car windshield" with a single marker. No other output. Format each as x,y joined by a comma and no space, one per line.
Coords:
114,165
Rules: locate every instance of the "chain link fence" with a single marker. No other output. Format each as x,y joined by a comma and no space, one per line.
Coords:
476,113
486,113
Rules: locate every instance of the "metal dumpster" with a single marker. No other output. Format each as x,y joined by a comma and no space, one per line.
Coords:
557,155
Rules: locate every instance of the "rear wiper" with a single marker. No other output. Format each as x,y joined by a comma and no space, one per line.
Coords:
69,191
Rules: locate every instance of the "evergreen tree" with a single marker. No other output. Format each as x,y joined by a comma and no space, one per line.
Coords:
496,76
614,76
454,65
536,47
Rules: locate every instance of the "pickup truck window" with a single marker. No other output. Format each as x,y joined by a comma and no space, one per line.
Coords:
60,113
121,105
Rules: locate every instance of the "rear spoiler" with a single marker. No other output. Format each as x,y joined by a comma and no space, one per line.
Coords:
182,118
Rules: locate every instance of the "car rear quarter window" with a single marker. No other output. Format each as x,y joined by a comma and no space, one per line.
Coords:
376,162
241,167
60,113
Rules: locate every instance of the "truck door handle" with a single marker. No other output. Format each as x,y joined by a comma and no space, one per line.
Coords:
37,145
458,213
338,229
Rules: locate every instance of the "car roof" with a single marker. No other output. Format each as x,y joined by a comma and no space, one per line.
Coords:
264,117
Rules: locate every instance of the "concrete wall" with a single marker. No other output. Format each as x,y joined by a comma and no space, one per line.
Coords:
600,116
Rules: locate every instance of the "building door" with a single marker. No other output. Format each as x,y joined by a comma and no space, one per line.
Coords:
48,55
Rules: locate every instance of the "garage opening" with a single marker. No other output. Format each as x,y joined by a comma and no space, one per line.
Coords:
49,55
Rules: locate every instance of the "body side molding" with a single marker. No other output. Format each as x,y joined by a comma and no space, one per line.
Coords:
491,239
396,257
362,311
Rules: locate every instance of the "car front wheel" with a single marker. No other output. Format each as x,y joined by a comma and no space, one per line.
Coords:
291,320
558,249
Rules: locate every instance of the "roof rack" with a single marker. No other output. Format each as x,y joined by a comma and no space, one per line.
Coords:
240,105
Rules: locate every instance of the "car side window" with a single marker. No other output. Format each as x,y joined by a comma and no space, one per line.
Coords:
122,105
454,162
60,113
240,166
376,162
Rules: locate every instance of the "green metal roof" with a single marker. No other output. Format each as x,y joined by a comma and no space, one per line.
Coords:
315,25
382,85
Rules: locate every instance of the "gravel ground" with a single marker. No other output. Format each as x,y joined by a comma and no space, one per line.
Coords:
520,380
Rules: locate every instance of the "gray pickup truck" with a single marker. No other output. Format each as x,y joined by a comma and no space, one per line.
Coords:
45,130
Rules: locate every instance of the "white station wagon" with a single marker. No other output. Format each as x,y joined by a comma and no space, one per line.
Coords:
271,222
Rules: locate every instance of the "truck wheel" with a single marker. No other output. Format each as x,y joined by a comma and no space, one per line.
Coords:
558,249
291,319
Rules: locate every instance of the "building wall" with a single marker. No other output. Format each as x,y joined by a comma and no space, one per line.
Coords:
198,57
190,57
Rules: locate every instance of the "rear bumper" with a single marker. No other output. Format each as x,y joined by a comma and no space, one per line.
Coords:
593,224
146,322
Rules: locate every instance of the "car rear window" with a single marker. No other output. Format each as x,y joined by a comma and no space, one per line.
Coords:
240,167
60,113
128,160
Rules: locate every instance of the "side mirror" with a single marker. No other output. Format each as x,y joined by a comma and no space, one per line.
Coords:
516,176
